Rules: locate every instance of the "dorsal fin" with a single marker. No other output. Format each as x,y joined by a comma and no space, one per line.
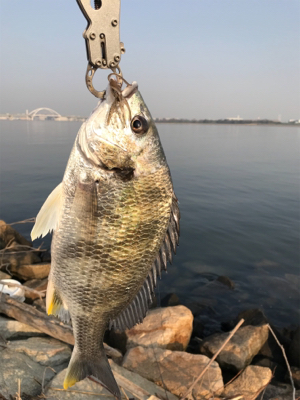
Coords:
137,309
47,217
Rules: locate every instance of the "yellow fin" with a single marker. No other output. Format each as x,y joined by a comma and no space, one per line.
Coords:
54,303
47,218
69,381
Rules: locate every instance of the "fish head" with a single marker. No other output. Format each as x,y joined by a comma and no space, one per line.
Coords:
121,135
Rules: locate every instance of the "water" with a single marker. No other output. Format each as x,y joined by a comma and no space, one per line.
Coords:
238,188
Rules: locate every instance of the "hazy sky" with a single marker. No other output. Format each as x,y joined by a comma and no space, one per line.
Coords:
192,58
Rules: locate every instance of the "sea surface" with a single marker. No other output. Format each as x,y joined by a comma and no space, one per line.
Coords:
238,188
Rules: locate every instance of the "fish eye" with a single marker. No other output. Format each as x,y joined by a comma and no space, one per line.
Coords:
139,124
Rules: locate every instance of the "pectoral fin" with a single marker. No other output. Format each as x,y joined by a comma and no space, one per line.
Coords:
47,218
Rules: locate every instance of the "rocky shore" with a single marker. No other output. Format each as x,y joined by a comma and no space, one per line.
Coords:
168,356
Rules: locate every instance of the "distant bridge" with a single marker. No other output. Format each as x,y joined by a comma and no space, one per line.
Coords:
43,113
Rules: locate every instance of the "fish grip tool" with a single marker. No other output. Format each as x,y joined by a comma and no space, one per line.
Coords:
102,38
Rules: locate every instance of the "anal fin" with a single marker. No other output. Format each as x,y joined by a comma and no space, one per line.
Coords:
55,305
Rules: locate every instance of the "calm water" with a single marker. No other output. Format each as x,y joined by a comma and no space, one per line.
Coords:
238,188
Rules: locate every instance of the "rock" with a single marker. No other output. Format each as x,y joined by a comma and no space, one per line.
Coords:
3,275
46,256
45,351
84,389
138,380
240,350
280,392
174,370
250,383
36,284
226,281
170,300
17,366
167,328
294,350
278,370
15,258
31,271
12,330
254,317
295,376
10,237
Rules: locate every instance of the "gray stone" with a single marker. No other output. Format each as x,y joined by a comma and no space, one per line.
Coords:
175,370
17,366
226,281
280,392
45,351
240,350
12,330
169,328
250,383
86,388
170,300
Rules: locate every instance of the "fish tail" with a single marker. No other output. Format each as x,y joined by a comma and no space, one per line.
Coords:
96,367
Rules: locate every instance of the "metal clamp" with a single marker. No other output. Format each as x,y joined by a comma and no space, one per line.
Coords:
102,37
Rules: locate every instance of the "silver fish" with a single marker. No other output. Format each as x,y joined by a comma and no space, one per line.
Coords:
116,223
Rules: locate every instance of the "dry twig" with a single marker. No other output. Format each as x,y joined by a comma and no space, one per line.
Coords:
25,221
212,360
286,361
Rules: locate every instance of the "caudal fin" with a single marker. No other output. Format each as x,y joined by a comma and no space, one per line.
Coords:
96,367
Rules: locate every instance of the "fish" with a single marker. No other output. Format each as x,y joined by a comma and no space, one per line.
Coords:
115,222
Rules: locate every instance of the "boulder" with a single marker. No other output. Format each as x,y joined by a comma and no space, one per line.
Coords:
18,366
250,383
14,258
12,330
226,281
85,389
280,392
3,275
170,300
45,351
167,328
10,237
31,271
240,350
175,370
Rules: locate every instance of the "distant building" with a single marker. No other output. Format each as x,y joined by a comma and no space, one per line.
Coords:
238,118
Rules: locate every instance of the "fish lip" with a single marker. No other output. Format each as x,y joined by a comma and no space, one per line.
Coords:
110,143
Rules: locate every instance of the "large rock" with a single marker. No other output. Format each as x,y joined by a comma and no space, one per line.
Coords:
12,330
31,271
45,351
85,389
17,366
240,350
249,383
167,328
280,392
10,237
175,370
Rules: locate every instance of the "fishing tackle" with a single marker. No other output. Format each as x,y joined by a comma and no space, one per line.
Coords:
102,39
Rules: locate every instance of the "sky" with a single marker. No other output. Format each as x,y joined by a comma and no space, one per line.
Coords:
192,59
